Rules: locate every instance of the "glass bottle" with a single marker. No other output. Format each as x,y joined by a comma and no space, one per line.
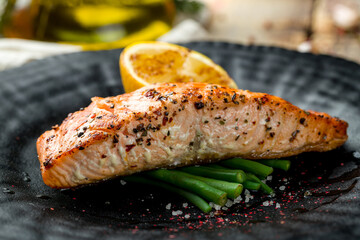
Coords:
93,24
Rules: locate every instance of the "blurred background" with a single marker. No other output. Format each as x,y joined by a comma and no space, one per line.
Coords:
33,29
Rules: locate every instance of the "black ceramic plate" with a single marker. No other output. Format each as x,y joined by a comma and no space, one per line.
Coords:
321,197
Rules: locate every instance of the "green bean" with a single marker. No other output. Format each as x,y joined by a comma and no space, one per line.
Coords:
216,166
181,180
233,190
251,185
264,187
248,166
220,174
193,198
276,163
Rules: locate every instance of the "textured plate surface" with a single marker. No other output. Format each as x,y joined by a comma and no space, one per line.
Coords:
321,197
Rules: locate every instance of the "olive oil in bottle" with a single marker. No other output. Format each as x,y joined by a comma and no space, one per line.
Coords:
93,24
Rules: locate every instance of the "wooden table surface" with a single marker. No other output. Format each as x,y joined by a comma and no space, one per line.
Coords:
295,24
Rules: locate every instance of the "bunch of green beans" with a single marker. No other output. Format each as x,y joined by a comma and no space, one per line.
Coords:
214,182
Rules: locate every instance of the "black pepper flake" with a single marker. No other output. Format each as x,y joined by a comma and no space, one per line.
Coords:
81,148
112,126
267,128
199,105
272,134
236,128
200,96
150,93
144,133
168,133
116,139
80,134
302,120
233,97
206,121
166,113
217,118
99,117
221,122
226,100
236,119
237,137
267,119
191,143
135,130
245,121
293,135
112,105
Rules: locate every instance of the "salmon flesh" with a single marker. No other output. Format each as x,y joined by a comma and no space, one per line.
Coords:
171,125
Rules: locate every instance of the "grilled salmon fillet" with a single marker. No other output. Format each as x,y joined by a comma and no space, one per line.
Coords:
170,125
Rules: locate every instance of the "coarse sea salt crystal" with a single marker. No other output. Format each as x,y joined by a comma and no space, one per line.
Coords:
122,182
178,212
185,205
168,206
187,216
238,199
277,205
269,178
217,207
266,203
282,188
229,203
356,154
